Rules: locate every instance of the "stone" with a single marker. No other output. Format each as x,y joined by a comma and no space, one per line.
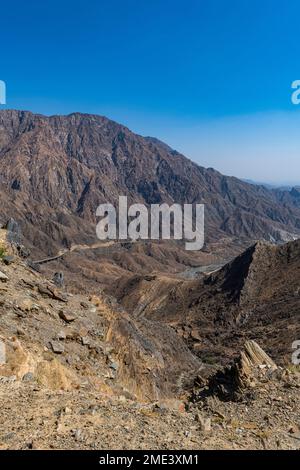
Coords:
23,251
32,445
20,332
34,266
84,305
195,335
245,376
113,366
14,233
293,429
77,433
252,358
68,317
205,423
27,305
49,291
83,331
58,279
57,347
95,300
2,353
3,277
28,377
9,436
61,335
8,260
85,341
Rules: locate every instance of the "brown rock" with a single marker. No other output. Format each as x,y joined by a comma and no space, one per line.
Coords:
205,423
68,317
27,305
252,358
57,347
3,277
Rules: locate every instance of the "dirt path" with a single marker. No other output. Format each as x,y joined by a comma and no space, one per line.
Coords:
76,247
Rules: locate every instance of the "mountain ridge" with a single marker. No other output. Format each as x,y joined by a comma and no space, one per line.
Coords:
56,170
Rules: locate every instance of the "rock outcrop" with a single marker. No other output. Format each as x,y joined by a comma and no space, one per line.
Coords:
244,378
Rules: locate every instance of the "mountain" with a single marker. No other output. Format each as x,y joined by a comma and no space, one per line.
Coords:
80,372
155,358
281,187
254,296
55,171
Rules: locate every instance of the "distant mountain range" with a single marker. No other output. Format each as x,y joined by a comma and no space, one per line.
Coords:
280,186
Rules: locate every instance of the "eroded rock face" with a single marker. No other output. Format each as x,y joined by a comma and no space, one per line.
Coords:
148,358
252,362
153,362
245,376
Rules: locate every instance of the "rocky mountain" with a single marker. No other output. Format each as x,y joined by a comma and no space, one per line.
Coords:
164,355
255,296
81,372
54,172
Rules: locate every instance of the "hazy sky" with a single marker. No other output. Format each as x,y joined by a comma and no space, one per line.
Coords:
211,78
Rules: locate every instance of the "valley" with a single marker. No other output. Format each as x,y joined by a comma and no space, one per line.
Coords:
143,343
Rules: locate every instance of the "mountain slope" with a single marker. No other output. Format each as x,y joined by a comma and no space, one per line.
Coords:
55,171
255,296
78,160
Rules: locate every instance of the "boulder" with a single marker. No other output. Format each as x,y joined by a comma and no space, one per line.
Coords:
204,423
3,277
57,347
8,260
68,317
253,361
58,279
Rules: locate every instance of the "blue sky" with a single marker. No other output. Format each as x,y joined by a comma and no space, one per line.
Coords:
212,78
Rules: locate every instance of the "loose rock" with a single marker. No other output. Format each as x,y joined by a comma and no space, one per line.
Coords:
68,317
57,347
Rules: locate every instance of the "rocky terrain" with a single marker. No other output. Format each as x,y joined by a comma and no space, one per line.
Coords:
87,331
254,296
79,372
140,345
